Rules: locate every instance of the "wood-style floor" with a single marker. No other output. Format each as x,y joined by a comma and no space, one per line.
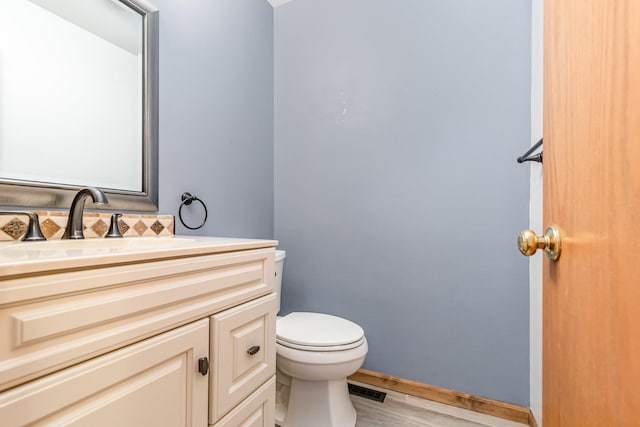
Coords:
400,410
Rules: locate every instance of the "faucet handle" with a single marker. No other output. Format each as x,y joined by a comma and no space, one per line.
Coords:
33,233
114,229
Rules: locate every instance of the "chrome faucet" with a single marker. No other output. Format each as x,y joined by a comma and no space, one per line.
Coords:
74,222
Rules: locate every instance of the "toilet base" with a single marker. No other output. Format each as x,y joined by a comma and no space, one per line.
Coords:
318,404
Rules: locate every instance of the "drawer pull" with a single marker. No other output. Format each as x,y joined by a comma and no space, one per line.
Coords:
253,350
203,365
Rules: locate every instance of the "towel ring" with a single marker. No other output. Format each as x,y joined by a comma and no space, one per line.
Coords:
187,199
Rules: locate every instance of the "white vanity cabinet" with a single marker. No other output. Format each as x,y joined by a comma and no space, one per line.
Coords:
182,338
152,382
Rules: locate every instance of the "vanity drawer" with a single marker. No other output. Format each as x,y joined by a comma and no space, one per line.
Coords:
82,314
256,411
243,354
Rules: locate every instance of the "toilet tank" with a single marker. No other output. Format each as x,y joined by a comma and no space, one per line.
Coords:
280,256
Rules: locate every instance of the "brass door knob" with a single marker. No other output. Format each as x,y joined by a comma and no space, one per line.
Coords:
529,243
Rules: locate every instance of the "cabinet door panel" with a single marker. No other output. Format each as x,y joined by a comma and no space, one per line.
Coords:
242,351
154,382
258,410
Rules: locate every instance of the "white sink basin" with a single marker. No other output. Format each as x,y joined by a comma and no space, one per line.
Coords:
31,257
89,246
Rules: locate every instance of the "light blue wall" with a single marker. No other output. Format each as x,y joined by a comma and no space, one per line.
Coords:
397,194
216,113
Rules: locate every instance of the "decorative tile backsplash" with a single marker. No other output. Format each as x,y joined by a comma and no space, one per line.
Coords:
96,225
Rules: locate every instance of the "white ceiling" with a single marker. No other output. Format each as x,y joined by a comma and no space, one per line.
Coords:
112,21
276,3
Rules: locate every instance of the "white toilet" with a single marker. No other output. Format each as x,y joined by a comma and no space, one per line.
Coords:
314,355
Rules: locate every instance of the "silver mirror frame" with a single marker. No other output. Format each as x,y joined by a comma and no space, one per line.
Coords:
47,195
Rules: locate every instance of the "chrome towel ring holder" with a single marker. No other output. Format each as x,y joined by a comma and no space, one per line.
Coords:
187,199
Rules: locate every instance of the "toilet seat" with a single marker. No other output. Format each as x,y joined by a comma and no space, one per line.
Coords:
321,359
318,332
321,348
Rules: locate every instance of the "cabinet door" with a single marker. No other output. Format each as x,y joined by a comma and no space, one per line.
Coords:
154,382
258,410
243,353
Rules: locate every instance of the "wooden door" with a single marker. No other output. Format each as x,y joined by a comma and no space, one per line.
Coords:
591,308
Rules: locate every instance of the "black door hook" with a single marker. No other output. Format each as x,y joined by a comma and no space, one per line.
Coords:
535,158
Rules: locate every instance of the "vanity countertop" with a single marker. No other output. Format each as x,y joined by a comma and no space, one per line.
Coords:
18,258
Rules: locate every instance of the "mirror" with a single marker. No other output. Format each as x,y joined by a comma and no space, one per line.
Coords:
78,102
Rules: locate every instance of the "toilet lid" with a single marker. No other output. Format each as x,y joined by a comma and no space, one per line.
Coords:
317,331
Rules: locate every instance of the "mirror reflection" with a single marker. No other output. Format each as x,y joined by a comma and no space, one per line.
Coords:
72,95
